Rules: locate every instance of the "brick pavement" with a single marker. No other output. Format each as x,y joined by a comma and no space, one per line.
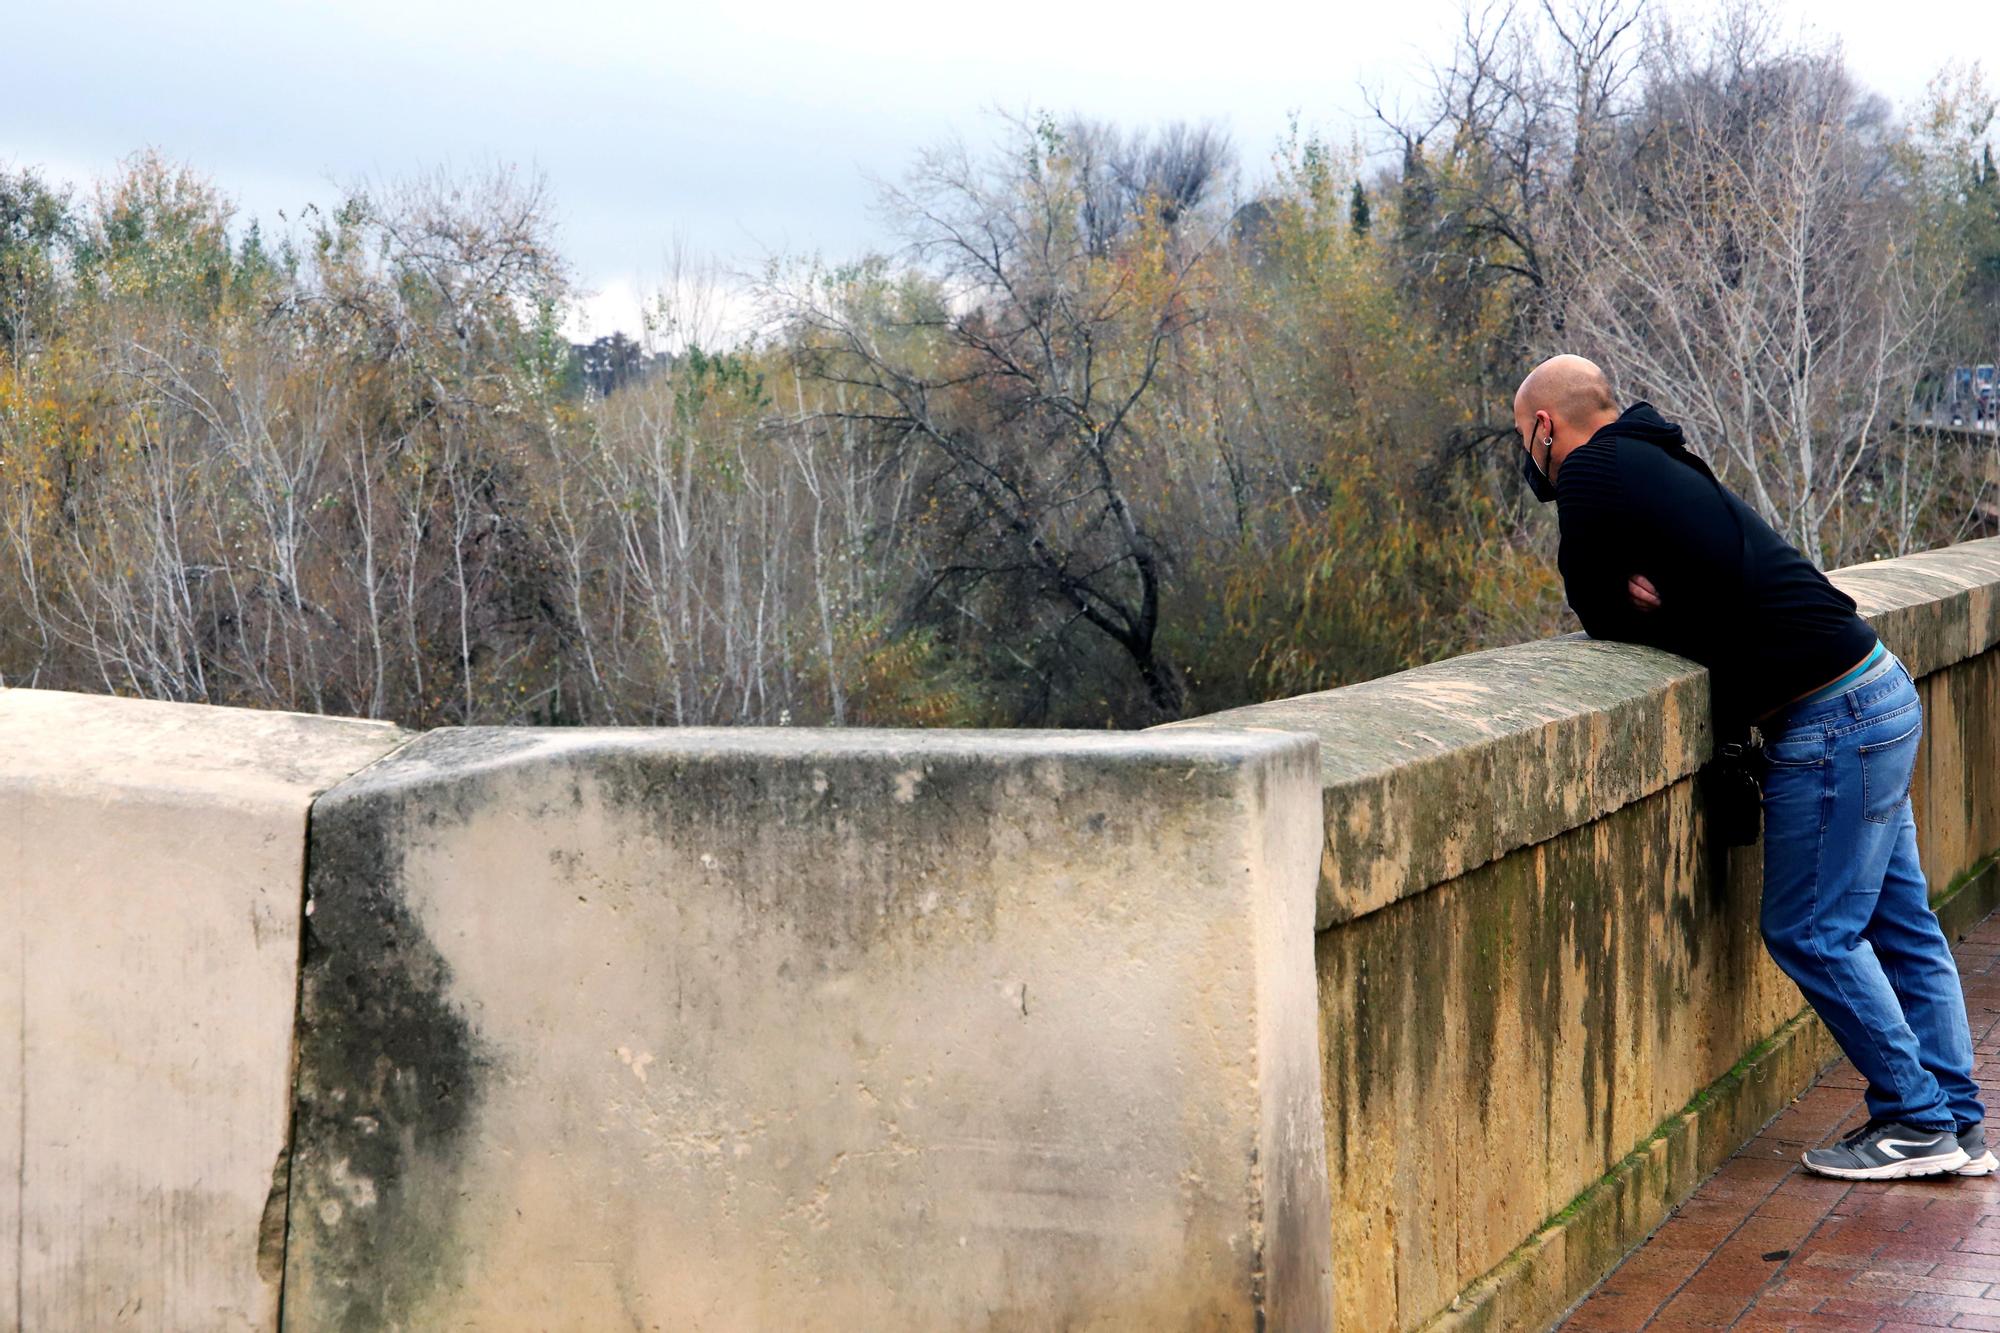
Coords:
1764,1245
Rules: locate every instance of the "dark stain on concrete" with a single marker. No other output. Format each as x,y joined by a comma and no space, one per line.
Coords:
898,829
271,1224
1499,931
389,1079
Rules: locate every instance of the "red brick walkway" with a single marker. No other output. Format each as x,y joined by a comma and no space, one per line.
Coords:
1763,1245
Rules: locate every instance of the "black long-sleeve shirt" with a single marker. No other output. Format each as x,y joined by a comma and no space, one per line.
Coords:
1734,595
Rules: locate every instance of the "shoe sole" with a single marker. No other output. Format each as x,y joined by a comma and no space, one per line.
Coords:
1915,1166
1983,1165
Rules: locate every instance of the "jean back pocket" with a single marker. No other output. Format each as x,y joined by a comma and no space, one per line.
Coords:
1886,769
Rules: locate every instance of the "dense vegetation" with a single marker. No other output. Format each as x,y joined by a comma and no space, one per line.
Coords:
1110,439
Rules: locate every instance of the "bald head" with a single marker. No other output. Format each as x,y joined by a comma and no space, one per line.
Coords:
1563,402
1569,388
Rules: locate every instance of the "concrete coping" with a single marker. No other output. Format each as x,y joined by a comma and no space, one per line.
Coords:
51,739
475,750
1432,772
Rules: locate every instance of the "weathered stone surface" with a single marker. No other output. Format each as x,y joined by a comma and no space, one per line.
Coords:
1547,1011
1934,608
1429,773
1956,790
1531,1288
151,878
1558,1010
1432,772
813,1030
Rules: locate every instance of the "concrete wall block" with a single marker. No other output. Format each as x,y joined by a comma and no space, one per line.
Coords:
152,862
813,1030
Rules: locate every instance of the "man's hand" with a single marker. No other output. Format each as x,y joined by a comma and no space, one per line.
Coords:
1645,597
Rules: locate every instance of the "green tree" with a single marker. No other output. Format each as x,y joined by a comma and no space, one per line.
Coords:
37,233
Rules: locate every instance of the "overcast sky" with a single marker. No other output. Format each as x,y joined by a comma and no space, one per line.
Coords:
743,129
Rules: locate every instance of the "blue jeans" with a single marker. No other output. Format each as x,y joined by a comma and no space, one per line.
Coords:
1846,913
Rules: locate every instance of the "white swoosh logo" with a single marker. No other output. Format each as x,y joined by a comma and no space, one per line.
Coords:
1890,1145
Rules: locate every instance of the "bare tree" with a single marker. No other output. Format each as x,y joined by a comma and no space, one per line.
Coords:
1511,119
1509,127
1021,371
1742,264
1122,179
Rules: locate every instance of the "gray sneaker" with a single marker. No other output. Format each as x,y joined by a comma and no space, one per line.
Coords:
1980,1160
1888,1150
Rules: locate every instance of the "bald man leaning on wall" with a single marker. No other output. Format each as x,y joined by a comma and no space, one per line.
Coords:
1656,550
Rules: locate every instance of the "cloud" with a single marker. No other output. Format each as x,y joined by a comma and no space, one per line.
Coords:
744,129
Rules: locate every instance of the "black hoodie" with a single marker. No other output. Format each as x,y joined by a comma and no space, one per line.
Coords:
1734,595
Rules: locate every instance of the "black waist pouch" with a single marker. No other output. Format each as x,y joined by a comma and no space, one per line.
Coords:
1733,791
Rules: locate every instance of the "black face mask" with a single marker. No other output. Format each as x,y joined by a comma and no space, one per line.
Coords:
1538,480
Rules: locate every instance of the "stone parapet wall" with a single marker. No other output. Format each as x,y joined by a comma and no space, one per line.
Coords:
1536,968
737,1029
1407,1005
